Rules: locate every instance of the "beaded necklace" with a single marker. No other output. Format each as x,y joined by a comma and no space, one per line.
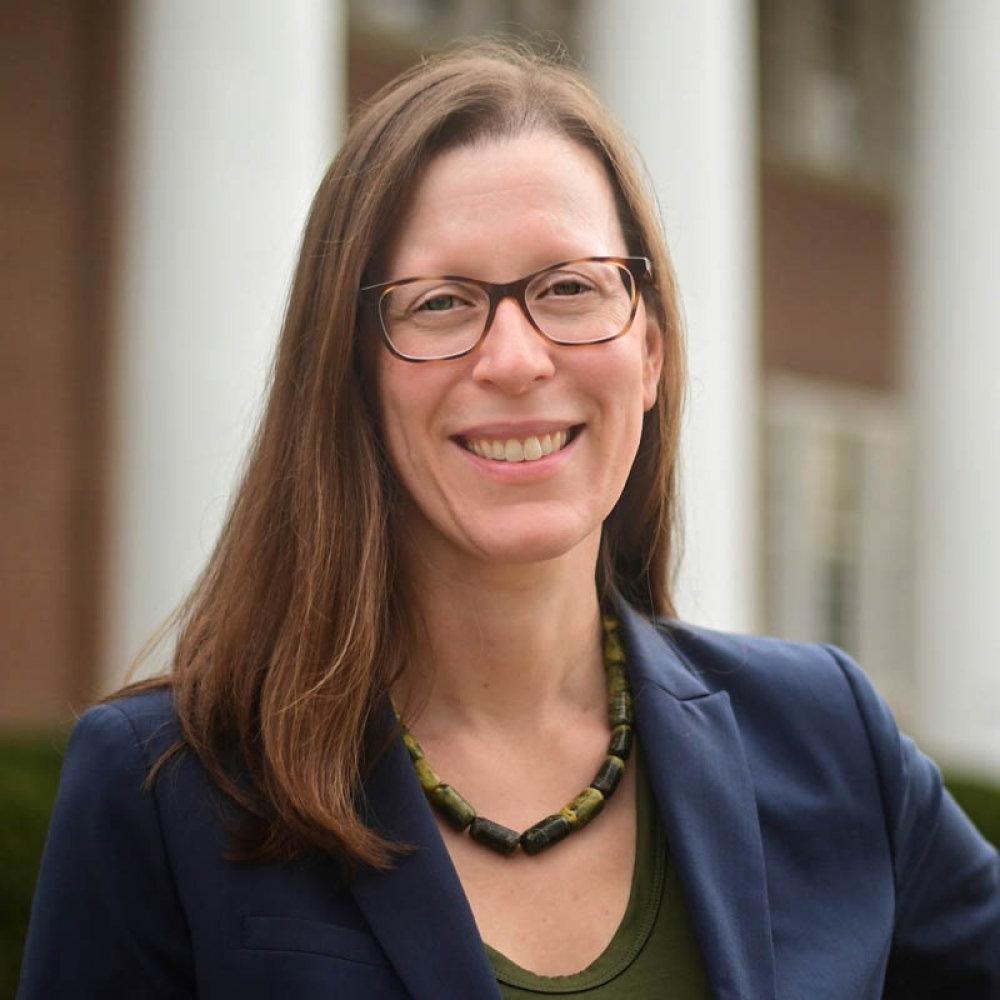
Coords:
573,816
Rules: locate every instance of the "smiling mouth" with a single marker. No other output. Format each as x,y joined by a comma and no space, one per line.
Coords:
528,449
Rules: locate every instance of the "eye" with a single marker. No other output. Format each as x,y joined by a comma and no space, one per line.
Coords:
439,300
563,285
567,287
437,303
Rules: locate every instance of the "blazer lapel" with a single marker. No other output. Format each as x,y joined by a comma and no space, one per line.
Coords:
418,910
699,774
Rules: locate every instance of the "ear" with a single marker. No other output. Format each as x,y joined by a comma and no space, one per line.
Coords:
652,360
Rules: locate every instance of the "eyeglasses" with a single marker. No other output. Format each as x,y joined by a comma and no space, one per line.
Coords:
586,301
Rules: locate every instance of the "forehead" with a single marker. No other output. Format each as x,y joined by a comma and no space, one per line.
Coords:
500,208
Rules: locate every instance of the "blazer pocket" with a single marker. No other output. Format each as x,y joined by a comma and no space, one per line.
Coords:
274,933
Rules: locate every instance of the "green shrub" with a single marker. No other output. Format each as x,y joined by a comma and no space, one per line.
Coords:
29,776
981,800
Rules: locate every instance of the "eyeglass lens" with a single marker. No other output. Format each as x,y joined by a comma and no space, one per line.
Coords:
579,303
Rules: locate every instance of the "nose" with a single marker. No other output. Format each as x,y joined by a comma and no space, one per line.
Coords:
513,355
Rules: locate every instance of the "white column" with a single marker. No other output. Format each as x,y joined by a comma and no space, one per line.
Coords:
233,108
681,77
953,353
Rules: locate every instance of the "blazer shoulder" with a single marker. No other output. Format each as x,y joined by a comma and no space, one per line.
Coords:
724,659
146,720
796,685
146,710
106,901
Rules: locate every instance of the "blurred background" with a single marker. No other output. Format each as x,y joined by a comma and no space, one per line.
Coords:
826,171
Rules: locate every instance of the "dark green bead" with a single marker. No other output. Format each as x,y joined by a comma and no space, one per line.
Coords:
583,808
499,838
428,779
455,809
544,834
613,652
607,778
617,679
620,709
621,742
412,747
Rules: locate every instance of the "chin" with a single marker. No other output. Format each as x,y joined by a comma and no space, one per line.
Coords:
542,540
534,533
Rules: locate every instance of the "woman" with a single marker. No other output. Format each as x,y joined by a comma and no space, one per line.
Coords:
459,510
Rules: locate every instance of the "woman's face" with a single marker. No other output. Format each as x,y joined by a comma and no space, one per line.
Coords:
499,211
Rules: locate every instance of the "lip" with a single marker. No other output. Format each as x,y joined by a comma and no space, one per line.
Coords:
525,472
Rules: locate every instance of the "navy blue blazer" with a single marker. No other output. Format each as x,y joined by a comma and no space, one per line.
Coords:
819,855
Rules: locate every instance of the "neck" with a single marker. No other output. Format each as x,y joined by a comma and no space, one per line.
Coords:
507,648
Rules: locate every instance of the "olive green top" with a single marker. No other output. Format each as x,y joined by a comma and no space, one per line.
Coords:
653,954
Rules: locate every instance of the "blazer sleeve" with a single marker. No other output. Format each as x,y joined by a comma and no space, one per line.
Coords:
106,920
947,877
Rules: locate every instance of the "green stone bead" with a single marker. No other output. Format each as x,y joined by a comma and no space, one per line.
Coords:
501,839
545,833
583,808
613,652
607,778
428,779
620,709
412,747
617,679
453,807
621,742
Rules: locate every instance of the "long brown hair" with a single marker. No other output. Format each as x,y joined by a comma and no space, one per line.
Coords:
293,634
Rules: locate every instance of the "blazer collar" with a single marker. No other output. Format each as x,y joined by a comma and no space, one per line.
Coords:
418,909
700,778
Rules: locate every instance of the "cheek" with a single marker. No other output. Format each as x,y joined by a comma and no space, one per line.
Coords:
395,431
406,407
619,378
391,388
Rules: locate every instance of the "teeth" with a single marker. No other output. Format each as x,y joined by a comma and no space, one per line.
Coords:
530,449
514,451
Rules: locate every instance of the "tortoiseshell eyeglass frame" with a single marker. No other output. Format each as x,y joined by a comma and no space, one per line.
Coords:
639,268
